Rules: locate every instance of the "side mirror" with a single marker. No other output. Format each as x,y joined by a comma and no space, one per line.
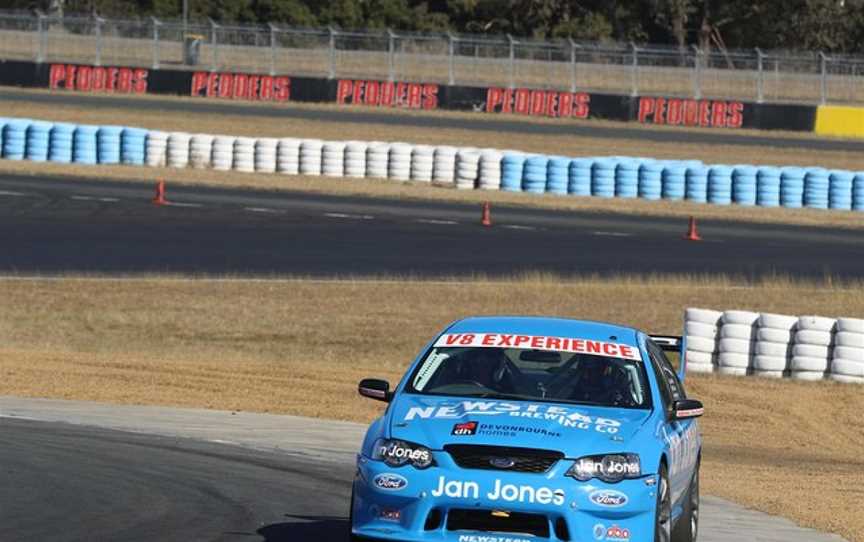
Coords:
375,388
687,409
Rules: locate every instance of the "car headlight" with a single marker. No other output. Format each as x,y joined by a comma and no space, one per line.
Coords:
609,468
396,453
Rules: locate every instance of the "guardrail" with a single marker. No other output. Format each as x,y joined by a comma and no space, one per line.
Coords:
742,343
619,68
464,168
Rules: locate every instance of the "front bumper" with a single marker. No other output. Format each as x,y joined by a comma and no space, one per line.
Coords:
450,504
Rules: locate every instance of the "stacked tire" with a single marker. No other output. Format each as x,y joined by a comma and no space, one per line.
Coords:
774,342
702,330
422,163
288,156
847,362
813,348
399,167
265,154
310,156
244,154
156,149
222,156
201,151
737,344
444,165
579,181
60,147
178,149
84,145
489,171
355,159
377,160
333,159
108,144
467,169
133,145
37,142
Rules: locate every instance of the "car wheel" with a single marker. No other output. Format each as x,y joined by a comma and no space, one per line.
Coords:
663,510
687,528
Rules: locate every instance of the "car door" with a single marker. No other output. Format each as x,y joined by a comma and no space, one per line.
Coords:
681,436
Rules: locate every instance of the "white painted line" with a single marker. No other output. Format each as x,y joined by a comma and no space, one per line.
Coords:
82,198
13,194
355,217
262,210
176,204
109,200
611,234
518,227
434,221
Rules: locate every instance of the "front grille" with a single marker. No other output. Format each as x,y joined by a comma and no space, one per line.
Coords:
470,456
486,521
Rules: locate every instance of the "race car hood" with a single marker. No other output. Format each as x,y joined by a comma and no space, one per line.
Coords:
575,430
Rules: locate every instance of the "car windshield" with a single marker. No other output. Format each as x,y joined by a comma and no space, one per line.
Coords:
533,374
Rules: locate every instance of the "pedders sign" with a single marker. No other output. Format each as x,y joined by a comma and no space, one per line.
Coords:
241,86
682,112
538,103
387,94
98,78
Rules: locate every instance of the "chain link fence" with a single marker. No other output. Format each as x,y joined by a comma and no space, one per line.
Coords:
502,61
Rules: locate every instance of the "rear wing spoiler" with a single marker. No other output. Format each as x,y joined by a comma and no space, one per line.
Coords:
674,343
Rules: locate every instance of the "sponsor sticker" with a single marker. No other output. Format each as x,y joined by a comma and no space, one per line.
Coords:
389,481
498,492
608,498
241,86
108,79
684,112
387,94
538,103
611,534
540,342
490,538
465,429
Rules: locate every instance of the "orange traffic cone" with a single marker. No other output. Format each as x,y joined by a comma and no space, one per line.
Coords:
692,232
486,217
159,198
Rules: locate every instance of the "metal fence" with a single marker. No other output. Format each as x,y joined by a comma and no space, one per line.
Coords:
504,61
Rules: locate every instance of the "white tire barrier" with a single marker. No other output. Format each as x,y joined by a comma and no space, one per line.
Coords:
777,321
467,169
774,335
738,331
768,374
733,371
850,353
223,152
849,338
810,336
444,165
698,329
816,323
422,163
702,329
156,149
700,358
399,168
737,346
770,363
766,348
310,156
333,159
746,318
810,376
265,154
244,154
704,316
847,367
288,156
177,154
489,174
846,379
377,160
201,151
355,159
850,325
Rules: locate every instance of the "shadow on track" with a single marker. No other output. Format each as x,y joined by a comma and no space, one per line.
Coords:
306,529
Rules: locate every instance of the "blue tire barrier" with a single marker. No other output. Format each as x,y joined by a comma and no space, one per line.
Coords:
3,122
627,178
651,180
580,177
768,187
558,175
534,174
674,181
840,190
603,178
108,144
816,184
84,144
36,144
720,185
792,187
15,139
133,146
60,143
744,185
512,167
858,192
696,189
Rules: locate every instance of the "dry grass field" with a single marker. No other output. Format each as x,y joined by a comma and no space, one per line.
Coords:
300,346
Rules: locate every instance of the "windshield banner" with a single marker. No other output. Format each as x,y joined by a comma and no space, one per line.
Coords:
539,342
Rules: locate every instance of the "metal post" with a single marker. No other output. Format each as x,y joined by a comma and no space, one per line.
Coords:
823,78
99,21
512,67
698,58
214,44
451,50
155,22
760,77
273,30
634,70
40,26
331,69
573,47
391,55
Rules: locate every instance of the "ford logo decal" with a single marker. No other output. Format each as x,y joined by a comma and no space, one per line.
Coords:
390,482
608,498
502,462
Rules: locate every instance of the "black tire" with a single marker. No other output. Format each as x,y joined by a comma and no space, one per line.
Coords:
687,528
663,510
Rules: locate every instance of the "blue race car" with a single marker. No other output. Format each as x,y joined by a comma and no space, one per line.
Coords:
532,429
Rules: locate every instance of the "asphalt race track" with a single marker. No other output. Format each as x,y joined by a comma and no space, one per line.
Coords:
94,227
346,115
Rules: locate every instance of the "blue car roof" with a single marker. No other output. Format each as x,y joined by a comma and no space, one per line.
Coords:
535,325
